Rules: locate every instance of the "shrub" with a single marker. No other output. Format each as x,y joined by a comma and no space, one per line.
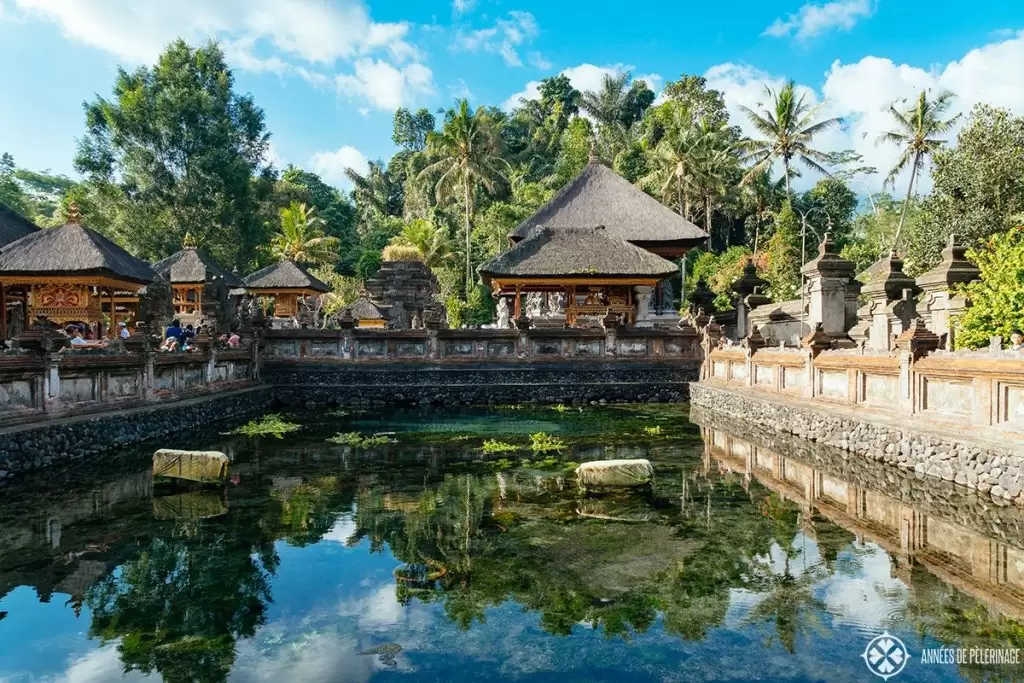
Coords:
653,431
357,440
997,300
497,446
401,252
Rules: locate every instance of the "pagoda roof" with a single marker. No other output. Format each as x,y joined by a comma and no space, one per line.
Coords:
192,265
14,226
364,309
284,275
576,252
72,250
599,196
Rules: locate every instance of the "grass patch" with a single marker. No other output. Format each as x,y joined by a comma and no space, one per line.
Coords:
358,440
268,425
497,446
545,443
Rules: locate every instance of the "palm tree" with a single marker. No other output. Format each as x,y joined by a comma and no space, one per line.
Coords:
301,238
716,166
431,241
762,198
372,191
468,149
916,131
788,127
607,104
674,159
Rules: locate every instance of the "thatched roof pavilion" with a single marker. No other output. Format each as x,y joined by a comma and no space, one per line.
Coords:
599,196
597,271
71,272
14,226
286,282
190,272
365,313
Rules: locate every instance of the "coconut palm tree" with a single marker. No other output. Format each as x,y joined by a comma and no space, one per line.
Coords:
916,132
762,197
372,191
431,241
788,127
717,165
468,152
301,238
674,159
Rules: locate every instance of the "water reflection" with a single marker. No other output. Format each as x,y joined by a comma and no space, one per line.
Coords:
749,559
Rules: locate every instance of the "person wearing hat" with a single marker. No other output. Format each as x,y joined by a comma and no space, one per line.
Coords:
123,330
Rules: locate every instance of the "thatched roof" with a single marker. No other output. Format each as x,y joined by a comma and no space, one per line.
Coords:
190,265
284,275
14,226
364,309
599,196
72,250
579,252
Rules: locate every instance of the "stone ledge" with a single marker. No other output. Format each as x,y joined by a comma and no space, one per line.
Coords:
983,466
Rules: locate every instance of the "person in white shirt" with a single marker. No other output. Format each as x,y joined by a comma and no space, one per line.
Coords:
123,333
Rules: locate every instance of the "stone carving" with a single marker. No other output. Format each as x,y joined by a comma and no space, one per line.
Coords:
534,305
503,314
556,303
643,302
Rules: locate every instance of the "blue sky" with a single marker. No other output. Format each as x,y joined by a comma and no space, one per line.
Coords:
329,73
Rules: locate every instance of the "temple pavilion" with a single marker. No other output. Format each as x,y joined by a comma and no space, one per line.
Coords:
71,274
200,288
287,283
13,304
601,244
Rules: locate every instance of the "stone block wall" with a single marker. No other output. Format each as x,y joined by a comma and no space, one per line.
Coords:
989,467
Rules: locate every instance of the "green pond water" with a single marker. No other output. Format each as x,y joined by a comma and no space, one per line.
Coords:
425,559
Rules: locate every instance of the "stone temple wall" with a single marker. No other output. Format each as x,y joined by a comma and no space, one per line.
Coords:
990,468
318,384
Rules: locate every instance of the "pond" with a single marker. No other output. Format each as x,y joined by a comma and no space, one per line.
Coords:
426,558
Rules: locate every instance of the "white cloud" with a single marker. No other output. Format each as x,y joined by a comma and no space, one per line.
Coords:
101,664
463,6
386,86
504,38
538,60
812,20
331,167
583,77
861,92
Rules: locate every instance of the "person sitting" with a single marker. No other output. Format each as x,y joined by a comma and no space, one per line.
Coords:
80,342
188,333
169,344
174,331
1017,340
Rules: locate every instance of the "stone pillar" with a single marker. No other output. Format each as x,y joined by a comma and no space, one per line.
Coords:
941,303
746,287
51,398
827,278
643,305
880,321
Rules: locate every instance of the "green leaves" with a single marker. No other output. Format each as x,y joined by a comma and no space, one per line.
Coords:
997,300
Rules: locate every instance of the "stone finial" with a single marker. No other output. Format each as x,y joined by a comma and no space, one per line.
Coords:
816,340
885,279
754,340
918,340
750,282
954,269
346,321
190,241
828,263
702,298
757,298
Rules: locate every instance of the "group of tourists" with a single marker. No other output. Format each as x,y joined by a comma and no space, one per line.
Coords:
178,338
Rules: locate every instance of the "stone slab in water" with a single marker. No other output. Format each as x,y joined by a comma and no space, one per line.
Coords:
615,473
207,467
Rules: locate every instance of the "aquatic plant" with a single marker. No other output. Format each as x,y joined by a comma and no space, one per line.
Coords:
339,412
545,443
653,431
357,440
498,446
273,424
561,408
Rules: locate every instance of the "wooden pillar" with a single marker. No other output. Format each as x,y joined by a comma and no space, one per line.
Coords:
3,313
113,315
519,292
24,307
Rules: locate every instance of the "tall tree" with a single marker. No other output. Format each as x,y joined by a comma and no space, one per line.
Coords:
410,130
916,132
693,92
338,214
619,103
468,152
788,126
301,238
762,197
374,192
11,193
431,241
182,147
674,158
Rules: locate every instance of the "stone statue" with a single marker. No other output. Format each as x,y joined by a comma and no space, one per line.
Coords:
534,305
417,321
667,296
556,303
503,321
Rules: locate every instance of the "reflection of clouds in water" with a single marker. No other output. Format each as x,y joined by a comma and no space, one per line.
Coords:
380,610
342,530
103,664
867,597
312,658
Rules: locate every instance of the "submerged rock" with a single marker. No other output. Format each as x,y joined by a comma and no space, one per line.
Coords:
614,474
